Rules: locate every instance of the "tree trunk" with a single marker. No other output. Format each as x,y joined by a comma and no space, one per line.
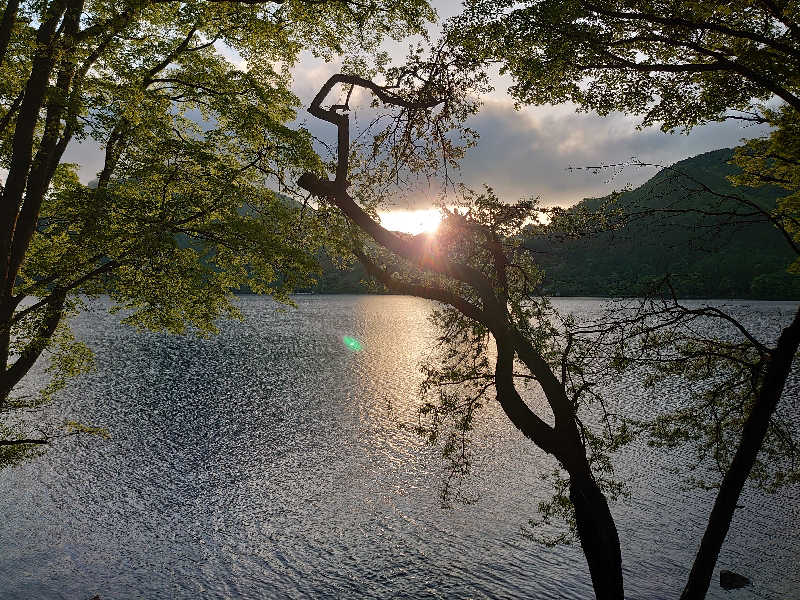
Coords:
753,434
23,138
28,356
599,538
7,26
6,312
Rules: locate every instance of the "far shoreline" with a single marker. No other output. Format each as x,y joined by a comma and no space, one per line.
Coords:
551,297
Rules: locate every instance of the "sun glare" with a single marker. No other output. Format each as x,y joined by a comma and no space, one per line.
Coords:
411,221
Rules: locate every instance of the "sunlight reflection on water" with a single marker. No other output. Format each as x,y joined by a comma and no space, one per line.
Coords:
270,462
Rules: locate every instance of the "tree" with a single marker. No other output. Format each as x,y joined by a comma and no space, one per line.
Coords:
676,64
478,270
680,66
499,333
182,212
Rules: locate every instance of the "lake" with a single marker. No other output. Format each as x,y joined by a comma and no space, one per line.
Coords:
271,461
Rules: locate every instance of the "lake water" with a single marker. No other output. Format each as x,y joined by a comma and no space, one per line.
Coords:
271,462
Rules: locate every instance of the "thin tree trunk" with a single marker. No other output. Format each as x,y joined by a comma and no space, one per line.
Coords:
7,26
50,148
14,373
22,142
599,538
753,434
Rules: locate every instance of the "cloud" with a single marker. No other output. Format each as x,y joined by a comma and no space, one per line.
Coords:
310,73
519,153
530,152
88,155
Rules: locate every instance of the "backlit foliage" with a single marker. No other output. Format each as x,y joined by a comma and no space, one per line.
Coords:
190,103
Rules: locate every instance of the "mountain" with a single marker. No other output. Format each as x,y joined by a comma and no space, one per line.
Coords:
683,229
341,281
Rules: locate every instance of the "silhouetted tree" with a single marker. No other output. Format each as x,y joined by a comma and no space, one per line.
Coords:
477,268
499,331
677,65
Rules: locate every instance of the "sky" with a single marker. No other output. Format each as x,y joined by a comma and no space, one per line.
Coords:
530,152
527,152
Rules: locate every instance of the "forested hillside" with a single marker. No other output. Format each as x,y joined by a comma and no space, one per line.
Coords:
680,227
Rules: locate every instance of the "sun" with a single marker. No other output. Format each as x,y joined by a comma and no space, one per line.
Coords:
411,221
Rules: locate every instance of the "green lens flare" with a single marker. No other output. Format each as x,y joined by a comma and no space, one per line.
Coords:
352,343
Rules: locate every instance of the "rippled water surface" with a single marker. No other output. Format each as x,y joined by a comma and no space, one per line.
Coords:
272,462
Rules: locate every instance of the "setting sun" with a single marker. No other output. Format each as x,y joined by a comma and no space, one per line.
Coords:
412,221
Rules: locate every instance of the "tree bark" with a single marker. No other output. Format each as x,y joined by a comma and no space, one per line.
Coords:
13,374
599,538
22,143
7,26
753,434
50,147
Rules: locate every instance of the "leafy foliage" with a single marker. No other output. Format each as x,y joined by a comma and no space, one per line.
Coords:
774,161
677,64
191,103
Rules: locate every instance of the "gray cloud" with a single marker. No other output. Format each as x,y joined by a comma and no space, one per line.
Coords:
529,152
88,155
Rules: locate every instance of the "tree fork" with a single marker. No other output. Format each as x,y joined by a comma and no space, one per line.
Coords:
596,528
595,524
